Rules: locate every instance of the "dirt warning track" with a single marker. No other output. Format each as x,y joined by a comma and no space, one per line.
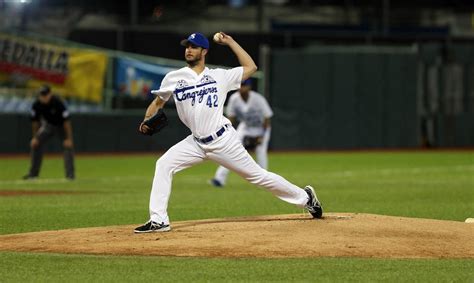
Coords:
281,236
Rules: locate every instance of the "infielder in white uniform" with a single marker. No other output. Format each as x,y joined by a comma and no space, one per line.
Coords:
252,111
199,94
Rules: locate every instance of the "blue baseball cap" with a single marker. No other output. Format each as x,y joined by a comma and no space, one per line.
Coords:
197,39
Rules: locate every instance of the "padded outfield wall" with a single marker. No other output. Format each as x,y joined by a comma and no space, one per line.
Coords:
108,132
344,98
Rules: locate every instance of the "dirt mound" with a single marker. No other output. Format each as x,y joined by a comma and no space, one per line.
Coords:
337,235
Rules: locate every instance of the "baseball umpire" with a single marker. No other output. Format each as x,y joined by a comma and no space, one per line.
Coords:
49,117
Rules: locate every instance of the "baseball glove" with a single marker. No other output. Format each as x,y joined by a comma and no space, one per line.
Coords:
250,143
155,123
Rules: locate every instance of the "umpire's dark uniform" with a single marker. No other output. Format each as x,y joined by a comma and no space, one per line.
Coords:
49,116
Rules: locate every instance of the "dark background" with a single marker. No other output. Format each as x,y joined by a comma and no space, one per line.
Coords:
338,74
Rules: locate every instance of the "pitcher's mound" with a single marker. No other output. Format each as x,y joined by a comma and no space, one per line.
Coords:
336,235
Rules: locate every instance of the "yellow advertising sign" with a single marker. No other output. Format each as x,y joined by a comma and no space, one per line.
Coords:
71,72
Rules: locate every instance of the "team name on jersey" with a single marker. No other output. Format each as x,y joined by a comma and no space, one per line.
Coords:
184,91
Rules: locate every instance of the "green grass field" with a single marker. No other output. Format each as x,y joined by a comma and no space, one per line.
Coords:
114,190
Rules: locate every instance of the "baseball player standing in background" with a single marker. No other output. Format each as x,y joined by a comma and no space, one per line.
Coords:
199,94
49,116
253,113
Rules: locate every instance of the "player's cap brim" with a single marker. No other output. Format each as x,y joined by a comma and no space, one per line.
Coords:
186,42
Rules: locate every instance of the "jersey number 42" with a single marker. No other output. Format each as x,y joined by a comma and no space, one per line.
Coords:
212,101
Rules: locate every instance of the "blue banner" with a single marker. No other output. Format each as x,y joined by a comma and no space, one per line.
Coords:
136,78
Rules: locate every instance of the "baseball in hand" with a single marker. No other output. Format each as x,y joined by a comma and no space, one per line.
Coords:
217,37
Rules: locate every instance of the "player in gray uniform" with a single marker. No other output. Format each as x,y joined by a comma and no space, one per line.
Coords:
49,117
253,113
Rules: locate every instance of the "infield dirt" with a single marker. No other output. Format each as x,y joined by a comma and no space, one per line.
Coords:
336,235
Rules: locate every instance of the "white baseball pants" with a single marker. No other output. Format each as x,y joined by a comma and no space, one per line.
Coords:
261,152
228,151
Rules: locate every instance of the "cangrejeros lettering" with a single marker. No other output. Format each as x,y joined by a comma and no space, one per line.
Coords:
182,95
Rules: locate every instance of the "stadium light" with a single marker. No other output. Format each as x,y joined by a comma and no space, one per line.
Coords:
23,2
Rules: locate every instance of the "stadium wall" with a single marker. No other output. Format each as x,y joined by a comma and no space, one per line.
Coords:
344,98
107,132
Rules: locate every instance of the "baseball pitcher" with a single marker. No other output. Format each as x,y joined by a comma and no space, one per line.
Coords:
199,94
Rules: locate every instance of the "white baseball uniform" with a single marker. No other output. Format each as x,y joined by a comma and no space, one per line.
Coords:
199,100
251,114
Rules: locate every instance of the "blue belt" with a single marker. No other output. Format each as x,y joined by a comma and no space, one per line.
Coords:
211,138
